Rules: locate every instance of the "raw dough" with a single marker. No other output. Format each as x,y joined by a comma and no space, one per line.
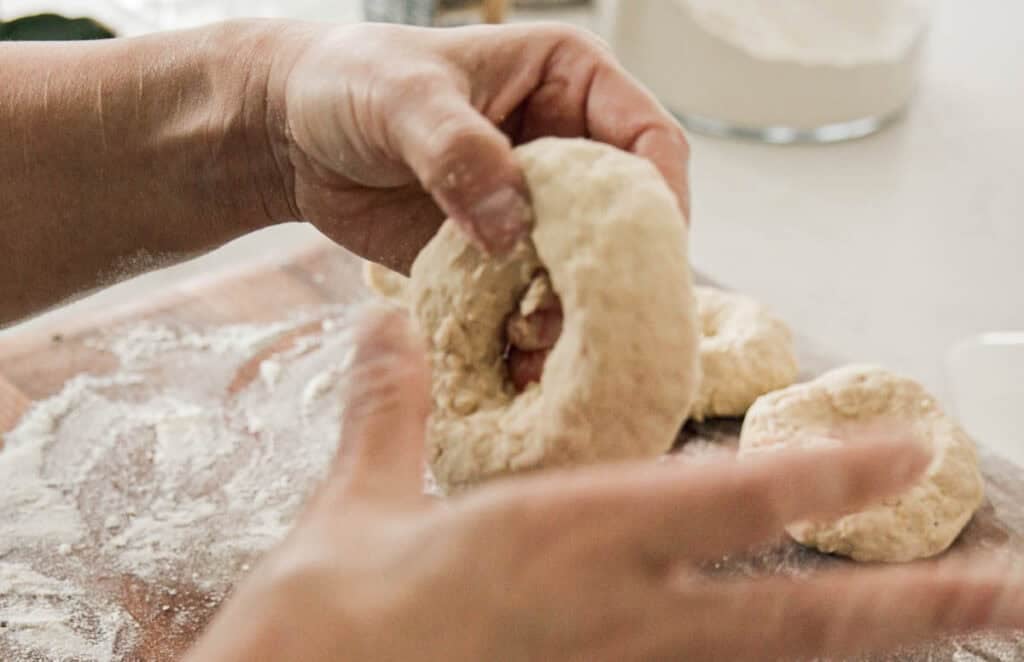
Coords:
858,402
745,352
388,284
621,378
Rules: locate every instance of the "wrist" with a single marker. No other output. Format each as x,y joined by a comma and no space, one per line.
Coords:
253,59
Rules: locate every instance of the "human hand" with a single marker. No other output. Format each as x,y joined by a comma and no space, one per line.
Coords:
390,129
594,564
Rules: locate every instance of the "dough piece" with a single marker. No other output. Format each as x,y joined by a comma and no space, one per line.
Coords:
863,402
620,380
745,352
388,284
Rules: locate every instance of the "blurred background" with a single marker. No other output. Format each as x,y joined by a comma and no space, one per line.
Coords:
888,225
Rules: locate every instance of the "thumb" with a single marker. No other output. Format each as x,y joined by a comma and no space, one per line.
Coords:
385,391
467,165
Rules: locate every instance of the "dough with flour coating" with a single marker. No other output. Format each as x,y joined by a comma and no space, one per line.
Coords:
621,378
858,402
745,352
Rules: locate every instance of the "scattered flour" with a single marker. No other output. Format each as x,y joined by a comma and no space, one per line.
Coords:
148,340
45,614
167,477
270,370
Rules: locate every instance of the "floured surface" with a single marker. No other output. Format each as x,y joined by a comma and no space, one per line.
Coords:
131,508
145,492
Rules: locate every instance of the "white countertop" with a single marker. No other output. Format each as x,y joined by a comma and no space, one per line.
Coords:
891,248
888,249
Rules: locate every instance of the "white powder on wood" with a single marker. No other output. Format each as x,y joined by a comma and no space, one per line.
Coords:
161,478
41,613
270,370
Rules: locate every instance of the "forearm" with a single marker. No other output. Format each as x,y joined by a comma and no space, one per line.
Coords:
122,155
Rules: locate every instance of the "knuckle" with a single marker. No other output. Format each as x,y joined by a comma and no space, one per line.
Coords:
679,138
559,31
418,78
578,38
409,84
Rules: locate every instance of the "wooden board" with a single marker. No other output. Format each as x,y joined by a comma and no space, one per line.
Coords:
36,365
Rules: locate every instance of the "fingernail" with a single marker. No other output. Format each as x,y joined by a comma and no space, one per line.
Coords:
501,218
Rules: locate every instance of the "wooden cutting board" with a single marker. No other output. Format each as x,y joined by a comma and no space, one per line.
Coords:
36,364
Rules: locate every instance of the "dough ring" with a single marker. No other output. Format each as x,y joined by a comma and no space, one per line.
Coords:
620,380
860,402
745,352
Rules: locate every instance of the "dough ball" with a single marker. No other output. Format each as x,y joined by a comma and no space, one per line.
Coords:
745,352
621,378
861,402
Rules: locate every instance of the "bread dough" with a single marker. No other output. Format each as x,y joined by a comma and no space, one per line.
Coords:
621,378
861,402
388,284
745,352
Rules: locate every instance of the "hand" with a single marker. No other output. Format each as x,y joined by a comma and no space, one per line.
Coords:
390,129
593,564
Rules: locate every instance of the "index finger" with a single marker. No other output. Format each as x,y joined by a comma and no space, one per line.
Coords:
666,514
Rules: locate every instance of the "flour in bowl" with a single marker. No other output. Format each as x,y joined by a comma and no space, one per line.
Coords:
799,65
